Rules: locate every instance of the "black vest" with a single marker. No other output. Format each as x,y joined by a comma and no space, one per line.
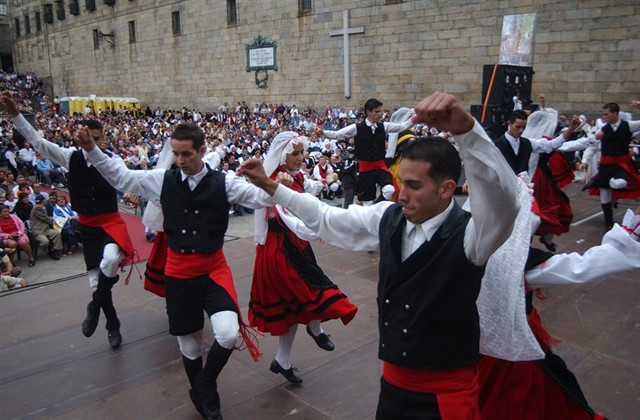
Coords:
195,221
90,193
368,146
427,304
519,163
616,143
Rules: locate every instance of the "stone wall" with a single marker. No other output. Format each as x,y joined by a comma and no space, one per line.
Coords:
586,52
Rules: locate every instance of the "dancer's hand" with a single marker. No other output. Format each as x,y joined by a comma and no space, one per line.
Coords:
444,112
84,139
253,169
284,179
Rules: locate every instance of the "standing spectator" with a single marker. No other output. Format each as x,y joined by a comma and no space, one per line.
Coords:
43,230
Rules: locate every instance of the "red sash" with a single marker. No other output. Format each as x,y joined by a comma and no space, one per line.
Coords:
186,266
456,389
113,224
367,166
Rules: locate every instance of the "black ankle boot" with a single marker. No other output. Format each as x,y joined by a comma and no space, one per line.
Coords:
206,381
90,323
608,215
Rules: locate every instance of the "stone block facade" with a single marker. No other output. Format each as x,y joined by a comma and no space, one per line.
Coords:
586,52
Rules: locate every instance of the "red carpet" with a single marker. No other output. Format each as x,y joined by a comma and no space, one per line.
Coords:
136,232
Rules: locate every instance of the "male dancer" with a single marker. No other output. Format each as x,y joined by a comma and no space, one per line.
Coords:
370,137
617,177
432,257
195,203
104,234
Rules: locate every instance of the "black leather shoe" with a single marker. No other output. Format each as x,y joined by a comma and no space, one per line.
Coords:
322,340
55,255
196,402
115,339
287,373
90,323
550,246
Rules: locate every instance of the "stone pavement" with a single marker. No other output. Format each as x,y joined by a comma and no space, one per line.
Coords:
49,370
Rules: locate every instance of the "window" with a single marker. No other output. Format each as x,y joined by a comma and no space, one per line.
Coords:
96,39
232,13
3,9
74,7
175,22
305,7
38,22
16,25
132,32
90,5
27,25
60,13
48,13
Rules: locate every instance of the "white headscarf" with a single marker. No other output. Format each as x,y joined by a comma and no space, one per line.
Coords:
401,115
281,146
541,123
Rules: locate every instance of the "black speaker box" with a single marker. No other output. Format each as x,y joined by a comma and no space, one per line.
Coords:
494,121
508,82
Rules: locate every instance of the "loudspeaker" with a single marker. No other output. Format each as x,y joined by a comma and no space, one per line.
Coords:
495,119
508,82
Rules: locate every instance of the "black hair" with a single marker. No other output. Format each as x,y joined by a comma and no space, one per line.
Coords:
613,107
92,124
371,104
443,157
517,115
189,131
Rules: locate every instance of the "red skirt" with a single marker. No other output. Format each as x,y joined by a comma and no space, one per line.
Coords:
289,288
560,169
556,212
531,390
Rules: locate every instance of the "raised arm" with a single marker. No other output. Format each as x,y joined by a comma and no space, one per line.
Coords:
344,133
545,146
54,152
355,228
492,184
147,184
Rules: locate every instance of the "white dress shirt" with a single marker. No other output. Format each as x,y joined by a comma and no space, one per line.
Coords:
493,198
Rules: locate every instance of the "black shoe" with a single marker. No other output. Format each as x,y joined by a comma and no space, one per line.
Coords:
322,340
90,323
115,339
209,398
550,246
55,255
287,373
197,403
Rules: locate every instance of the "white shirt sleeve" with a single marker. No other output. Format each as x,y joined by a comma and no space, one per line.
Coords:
241,192
344,133
390,127
147,184
312,187
355,228
492,195
634,126
546,146
574,145
55,153
618,252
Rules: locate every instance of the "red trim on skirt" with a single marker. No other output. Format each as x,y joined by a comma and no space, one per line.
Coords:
154,273
455,389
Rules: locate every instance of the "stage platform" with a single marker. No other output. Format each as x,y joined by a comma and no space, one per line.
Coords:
48,369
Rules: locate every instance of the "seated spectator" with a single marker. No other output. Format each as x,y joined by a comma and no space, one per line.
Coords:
10,200
27,159
50,174
9,282
6,266
53,200
67,220
23,208
12,232
36,189
42,229
22,185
